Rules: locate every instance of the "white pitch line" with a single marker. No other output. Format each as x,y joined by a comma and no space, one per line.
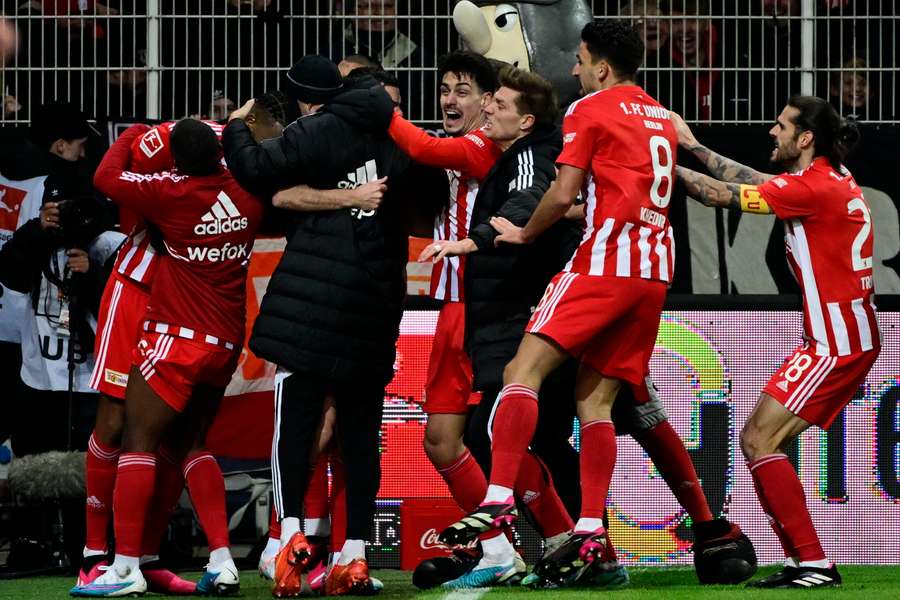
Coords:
472,594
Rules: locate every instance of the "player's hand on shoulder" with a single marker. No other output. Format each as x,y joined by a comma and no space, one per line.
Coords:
507,232
685,135
369,195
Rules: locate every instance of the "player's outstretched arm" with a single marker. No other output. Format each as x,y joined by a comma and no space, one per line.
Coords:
304,198
721,167
447,153
713,192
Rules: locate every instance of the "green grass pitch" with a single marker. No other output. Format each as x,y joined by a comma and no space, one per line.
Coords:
871,583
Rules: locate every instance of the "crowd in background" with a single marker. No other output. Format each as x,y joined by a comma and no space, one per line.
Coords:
707,59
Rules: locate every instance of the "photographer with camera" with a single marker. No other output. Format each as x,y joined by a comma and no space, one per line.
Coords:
59,261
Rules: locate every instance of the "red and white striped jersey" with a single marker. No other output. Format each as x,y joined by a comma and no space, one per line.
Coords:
829,242
454,221
137,260
625,142
150,153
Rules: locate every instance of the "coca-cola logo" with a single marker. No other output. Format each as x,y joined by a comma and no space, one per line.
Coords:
430,541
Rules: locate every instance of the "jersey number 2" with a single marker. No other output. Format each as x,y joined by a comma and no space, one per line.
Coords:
662,170
860,263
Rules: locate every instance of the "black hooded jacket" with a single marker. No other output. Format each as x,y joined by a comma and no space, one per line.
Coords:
504,284
334,303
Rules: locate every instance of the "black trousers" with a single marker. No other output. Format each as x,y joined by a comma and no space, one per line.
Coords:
556,416
299,399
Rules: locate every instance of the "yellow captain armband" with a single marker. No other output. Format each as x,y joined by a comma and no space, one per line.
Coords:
752,201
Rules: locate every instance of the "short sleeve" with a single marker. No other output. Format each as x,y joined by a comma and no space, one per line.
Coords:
788,196
579,139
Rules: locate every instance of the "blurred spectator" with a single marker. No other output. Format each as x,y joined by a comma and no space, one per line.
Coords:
695,48
59,260
850,90
657,43
372,30
221,107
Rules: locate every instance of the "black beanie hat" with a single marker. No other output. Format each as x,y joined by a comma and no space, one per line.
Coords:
313,79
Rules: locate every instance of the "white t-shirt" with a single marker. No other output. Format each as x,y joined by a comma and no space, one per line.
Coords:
45,339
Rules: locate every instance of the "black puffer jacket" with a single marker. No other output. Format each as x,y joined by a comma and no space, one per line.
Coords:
503,284
334,303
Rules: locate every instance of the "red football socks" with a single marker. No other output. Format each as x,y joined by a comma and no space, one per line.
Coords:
315,501
169,485
338,505
781,496
534,488
207,487
514,423
673,462
466,481
135,481
598,457
101,464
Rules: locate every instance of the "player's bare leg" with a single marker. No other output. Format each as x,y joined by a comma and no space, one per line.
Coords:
514,423
768,430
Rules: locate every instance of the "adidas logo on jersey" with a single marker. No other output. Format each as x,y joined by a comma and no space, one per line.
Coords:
95,503
362,175
222,217
782,385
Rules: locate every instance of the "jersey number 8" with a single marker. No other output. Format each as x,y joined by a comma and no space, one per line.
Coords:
662,170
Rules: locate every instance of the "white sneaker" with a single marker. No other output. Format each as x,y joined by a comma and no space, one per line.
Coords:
267,566
220,580
111,584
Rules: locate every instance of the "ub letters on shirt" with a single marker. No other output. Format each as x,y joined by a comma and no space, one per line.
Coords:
45,345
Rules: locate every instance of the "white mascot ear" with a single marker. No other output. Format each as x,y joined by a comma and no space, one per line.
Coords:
471,25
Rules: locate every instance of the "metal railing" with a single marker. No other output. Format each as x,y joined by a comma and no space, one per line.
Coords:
714,62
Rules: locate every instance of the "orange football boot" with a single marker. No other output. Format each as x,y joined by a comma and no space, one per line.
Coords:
352,579
289,564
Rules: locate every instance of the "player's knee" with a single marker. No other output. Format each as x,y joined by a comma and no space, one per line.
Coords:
441,448
755,443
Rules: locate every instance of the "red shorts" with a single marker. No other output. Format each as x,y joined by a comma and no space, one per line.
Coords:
448,389
121,316
172,365
817,388
609,323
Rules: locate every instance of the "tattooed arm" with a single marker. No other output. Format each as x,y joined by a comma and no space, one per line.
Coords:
709,191
722,168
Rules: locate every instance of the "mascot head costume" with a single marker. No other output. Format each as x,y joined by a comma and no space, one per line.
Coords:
537,35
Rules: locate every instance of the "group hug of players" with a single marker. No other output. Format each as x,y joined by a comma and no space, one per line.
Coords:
552,257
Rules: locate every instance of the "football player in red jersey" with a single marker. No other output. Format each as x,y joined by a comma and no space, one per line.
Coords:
829,241
122,313
604,308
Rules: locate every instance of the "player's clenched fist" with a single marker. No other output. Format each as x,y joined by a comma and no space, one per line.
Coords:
369,195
